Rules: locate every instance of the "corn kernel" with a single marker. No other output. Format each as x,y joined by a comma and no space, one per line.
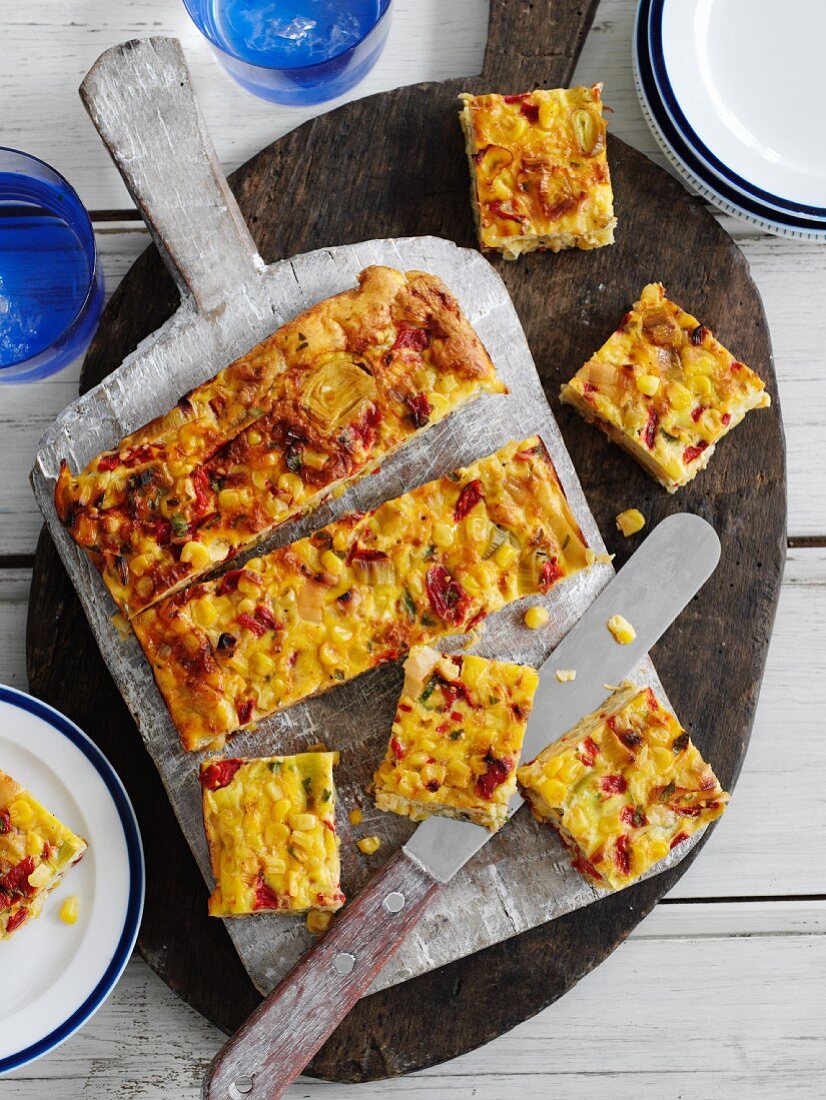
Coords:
139,565
21,813
630,521
34,844
261,664
678,396
69,909
144,587
506,555
203,612
565,675
332,563
622,630
369,845
291,484
535,617
228,499
443,534
303,822
547,115
356,816
648,384
40,876
121,624
318,921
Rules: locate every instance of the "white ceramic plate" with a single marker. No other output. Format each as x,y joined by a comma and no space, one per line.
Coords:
707,174
55,976
744,79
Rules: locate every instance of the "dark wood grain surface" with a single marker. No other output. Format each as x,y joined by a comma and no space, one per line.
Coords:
393,165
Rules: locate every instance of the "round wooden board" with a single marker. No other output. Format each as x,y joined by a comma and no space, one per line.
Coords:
394,165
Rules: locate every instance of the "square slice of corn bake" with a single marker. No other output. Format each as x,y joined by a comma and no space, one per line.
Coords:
664,389
36,850
271,829
456,738
623,787
361,592
539,170
317,405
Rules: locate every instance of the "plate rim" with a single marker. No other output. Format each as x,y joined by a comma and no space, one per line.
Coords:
137,878
685,161
659,70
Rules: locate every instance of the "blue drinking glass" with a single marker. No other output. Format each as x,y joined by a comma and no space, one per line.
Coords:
294,51
51,285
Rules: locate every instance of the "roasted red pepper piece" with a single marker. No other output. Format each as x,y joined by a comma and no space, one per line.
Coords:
417,339
219,774
265,896
16,881
244,708
17,919
108,462
498,210
265,616
202,490
398,751
678,839
494,776
613,784
447,597
420,408
697,412
691,453
549,574
589,752
650,430
5,822
622,857
255,628
726,419
585,867
229,581
530,111
468,499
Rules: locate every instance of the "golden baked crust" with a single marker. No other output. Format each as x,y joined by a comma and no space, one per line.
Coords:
623,787
539,170
456,738
361,592
35,853
664,389
317,405
271,829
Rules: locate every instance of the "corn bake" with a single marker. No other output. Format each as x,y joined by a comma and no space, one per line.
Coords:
271,829
456,738
360,592
623,787
35,853
317,405
665,389
539,170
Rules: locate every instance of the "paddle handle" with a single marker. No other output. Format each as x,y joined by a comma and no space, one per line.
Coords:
139,96
274,1045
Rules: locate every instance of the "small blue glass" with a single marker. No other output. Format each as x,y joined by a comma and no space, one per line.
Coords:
51,285
294,51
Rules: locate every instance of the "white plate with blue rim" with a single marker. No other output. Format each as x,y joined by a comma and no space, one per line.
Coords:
730,89
55,976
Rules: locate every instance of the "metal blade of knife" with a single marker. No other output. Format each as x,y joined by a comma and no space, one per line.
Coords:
650,591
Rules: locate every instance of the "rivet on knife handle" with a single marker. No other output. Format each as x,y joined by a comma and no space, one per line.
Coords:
271,1049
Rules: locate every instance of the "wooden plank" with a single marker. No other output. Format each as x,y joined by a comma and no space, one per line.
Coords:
764,1037
753,853
429,40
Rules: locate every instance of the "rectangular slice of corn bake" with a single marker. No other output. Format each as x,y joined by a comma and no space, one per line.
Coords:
623,787
271,829
360,592
317,405
36,850
456,738
665,389
539,170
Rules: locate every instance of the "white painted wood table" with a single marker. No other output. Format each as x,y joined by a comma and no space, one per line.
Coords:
721,991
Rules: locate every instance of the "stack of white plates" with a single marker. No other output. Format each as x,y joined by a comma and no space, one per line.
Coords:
733,91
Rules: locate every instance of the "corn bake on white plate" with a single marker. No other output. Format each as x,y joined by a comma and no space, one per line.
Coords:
56,975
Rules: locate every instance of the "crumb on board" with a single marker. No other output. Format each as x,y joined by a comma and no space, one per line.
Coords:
535,617
622,630
369,845
565,675
630,521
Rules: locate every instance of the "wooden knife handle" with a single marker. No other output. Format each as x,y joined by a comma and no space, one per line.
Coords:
140,98
270,1050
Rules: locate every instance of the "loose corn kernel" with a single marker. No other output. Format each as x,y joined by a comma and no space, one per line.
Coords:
318,921
621,629
630,521
356,816
369,845
69,909
536,617
565,675
648,384
121,624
